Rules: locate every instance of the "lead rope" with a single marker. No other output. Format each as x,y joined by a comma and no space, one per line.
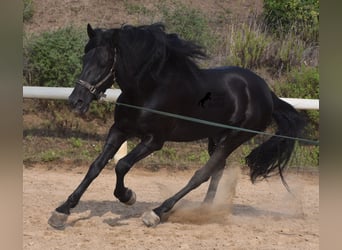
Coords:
215,124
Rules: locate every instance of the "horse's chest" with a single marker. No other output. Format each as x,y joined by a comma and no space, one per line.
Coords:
140,122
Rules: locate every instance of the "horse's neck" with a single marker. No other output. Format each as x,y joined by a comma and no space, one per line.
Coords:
136,85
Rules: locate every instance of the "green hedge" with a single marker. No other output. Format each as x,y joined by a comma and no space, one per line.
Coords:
303,83
54,58
299,15
300,83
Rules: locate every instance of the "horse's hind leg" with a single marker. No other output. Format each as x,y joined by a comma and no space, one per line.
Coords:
223,149
218,155
214,181
216,176
152,218
114,141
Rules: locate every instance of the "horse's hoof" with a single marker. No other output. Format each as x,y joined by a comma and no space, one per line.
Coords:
150,219
131,200
57,220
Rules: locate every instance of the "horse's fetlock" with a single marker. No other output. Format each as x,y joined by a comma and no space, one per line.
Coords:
126,196
63,209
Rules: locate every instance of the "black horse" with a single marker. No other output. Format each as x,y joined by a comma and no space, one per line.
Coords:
157,70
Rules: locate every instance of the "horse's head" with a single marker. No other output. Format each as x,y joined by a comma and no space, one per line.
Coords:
98,73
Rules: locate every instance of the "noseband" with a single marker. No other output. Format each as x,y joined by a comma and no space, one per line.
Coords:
94,89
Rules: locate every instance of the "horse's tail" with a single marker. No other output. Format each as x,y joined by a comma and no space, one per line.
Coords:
274,154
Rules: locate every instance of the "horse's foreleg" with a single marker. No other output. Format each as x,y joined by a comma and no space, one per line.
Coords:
114,141
94,170
143,149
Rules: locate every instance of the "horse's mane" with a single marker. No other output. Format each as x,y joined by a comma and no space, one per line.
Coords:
152,48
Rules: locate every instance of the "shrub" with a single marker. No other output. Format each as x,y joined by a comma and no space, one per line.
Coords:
299,15
27,10
289,54
300,83
303,83
248,45
76,142
49,155
54,58
189,23
304,156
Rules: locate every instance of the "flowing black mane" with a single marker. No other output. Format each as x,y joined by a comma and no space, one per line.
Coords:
151,48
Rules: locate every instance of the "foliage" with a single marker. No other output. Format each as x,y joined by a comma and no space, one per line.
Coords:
288,54
54,58
75,142
299,15
101,110
300,83
49,155
303,83
27,10
304,156
247,47
188,23
251,46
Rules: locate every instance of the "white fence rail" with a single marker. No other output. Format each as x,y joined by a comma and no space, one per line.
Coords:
60,93
113,94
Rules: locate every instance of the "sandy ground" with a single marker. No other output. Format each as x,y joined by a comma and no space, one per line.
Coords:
244,216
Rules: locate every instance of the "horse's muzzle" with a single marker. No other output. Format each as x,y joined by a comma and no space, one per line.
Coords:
78,105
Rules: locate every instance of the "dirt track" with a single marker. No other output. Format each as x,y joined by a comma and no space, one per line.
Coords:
261,216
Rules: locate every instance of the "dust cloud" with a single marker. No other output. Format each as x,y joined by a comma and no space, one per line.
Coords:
190,212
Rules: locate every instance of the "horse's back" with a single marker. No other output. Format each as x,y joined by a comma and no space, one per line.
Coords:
239,83
226,95
247,95
235,75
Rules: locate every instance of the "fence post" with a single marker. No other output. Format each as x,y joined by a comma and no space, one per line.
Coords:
121,152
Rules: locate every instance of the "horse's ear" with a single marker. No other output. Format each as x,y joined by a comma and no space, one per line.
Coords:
90,31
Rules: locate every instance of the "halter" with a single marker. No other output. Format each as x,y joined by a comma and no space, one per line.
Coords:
94,88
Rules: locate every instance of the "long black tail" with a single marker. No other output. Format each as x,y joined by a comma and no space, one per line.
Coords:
274,154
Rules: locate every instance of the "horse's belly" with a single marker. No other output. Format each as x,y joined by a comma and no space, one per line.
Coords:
191,131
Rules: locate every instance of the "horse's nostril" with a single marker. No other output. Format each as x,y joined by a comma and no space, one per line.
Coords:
75,102
78,103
